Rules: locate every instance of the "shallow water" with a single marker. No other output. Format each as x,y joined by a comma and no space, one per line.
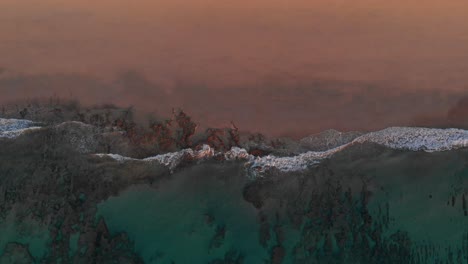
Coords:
420,196
178,221
28,232
203,213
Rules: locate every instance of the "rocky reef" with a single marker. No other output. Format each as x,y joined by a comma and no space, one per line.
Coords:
108,191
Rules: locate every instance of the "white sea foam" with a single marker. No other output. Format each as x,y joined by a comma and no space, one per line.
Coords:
12,128
170,160
404,138
258,165
14,124
173,159
418,139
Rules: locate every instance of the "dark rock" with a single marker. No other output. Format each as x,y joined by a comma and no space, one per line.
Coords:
277,255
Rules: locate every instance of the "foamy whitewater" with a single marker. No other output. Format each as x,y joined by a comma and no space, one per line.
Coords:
402,138
12,128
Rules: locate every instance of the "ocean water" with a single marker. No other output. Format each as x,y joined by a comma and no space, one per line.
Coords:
27,232
203,214
181,221
424,198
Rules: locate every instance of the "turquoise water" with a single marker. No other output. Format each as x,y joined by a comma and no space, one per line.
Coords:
178,221
73,244
28,232
420,202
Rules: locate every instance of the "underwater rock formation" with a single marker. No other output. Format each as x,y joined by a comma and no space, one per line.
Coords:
66,196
